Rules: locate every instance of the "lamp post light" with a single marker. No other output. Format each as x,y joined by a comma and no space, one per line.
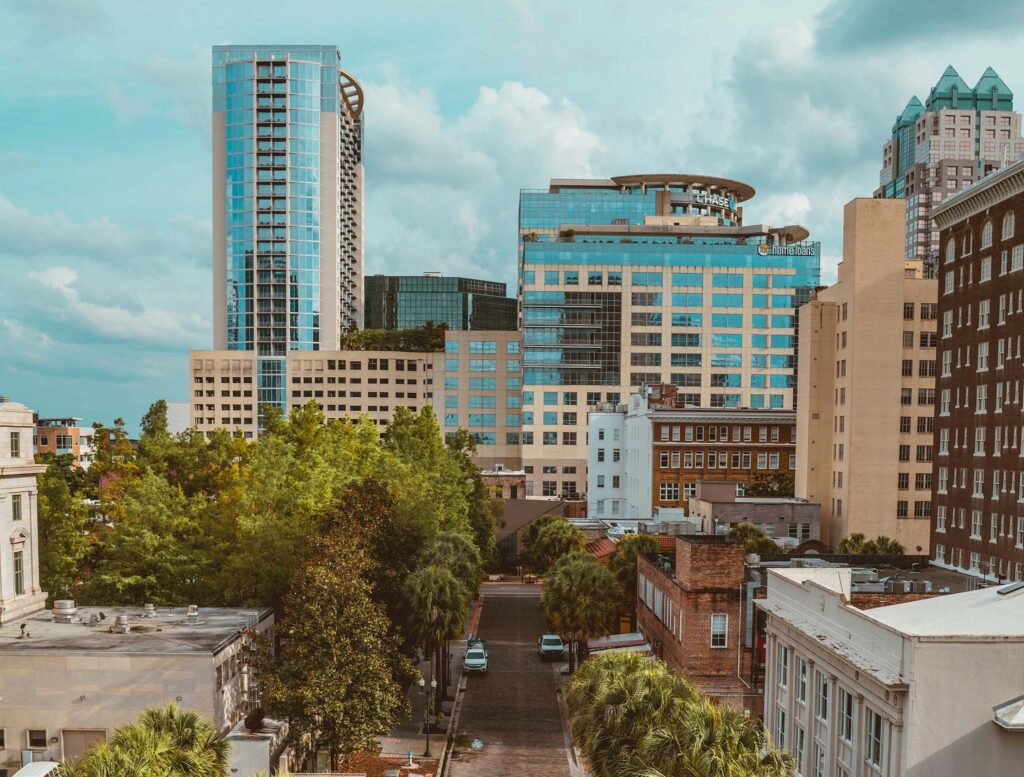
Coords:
428,709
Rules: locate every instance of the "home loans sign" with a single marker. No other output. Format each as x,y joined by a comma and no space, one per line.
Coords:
793,250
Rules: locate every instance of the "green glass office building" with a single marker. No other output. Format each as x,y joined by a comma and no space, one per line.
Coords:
408,301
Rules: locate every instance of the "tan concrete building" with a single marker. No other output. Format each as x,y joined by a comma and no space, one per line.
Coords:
346,384
866,383
928,688
478,386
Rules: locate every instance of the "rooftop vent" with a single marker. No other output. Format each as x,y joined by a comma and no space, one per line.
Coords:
64,611
192,616
121,625
150,611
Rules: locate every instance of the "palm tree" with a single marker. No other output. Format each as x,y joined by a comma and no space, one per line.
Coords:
614,700
852,544
883,546
438,604
163,742
580,599
556,539
703,739
461,556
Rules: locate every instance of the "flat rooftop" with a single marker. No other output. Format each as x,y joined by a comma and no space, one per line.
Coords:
986,612
166,632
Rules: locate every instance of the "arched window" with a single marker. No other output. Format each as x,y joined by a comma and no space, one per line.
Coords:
950,250
968,241
986,235
1008,225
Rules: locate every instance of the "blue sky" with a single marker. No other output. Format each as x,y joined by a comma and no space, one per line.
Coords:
105,151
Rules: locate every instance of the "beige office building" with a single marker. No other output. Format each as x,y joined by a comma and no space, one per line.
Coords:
345,384
475,384
478,386
866,386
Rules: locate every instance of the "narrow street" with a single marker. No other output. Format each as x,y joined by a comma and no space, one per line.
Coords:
513,710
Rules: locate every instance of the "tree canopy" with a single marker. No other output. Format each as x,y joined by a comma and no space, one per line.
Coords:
580,598
632,716
856,544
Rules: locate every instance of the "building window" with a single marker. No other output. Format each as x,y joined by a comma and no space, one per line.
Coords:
16,507
799,745
668,492
782,670
37,738
873,749
823,693
801,681
15,445
845,715
719,630
780,729
19,572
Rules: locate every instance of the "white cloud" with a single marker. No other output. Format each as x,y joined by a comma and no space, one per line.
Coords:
17,333
149,324
127,110
443,194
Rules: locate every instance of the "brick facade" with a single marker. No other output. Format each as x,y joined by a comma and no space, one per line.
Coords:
675,608
978,481
686,452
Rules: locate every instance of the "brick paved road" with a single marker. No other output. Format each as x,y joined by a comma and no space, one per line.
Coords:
513,709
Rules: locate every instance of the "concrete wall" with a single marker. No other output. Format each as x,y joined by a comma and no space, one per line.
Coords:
953,733
45,690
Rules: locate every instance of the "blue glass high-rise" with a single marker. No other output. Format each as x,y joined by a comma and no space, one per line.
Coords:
288,264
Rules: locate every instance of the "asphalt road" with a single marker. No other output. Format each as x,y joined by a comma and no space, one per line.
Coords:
513,710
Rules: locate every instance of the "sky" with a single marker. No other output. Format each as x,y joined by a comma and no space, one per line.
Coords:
105,142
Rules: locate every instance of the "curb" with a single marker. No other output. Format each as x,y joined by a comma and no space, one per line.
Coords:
453,719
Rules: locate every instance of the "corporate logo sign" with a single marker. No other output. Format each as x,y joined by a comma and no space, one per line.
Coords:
712,199
767,250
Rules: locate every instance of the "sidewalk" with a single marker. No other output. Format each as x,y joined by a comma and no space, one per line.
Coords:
409,736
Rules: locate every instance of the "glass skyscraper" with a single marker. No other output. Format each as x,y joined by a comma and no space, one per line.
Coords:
408,301
287,203
643,280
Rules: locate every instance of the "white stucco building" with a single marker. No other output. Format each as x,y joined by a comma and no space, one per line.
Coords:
605,465
930,688
19,555
70,676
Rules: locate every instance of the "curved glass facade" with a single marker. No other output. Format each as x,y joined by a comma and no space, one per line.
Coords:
286,286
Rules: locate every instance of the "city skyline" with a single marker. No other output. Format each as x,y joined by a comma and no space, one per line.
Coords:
456,133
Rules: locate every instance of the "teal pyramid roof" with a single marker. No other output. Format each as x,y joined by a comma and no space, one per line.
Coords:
946,87
992,92
910,113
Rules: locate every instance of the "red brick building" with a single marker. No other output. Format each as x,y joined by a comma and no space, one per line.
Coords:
978,482
691,607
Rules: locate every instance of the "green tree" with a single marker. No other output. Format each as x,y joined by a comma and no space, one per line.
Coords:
63,542
333,678
756,541
437,604
614,700
155,443
702,739
154,553
163,742
852,544
553,539
632,716
580,599
528,546
484,512
883,546
777,484
622,564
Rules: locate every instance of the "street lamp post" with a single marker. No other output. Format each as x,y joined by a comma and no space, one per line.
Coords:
428,708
